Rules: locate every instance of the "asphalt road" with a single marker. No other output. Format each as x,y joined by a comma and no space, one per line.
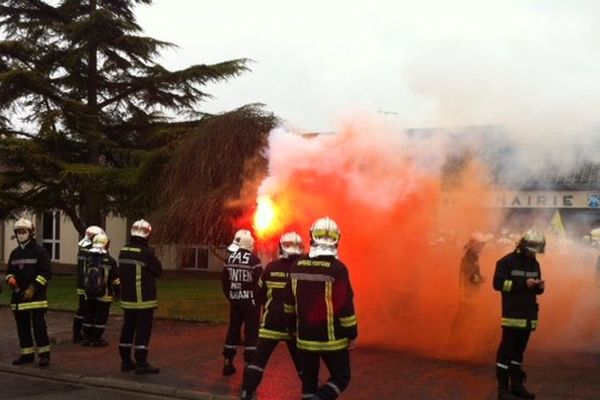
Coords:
24,387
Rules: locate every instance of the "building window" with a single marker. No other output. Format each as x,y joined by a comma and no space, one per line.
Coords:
195,258
51,234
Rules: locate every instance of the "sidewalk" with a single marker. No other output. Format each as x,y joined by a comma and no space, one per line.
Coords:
189,355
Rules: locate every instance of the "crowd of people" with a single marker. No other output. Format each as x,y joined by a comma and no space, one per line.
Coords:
304,299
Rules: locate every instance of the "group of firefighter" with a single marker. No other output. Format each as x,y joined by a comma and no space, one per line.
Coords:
302,299
100,280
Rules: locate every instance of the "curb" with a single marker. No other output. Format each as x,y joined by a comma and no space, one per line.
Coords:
109,383
156,317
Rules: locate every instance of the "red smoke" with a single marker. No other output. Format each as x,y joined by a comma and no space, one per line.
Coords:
385,192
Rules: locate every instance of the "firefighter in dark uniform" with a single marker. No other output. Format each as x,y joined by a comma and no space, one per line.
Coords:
84,246
98,304
274,324
138,269
519,279
470,278
29,271
241,272
320,296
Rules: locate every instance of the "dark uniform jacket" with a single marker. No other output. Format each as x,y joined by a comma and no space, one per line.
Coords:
138,268
111,277
320,294
519,305
271,294
240,276
29,265
82,256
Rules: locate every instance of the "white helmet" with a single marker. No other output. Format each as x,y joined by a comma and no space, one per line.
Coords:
290,243
90,233
141,228
534,241
23,223
324,237
100,243
26,224
242,240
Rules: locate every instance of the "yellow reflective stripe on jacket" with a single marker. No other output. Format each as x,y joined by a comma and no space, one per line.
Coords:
347,322
514,322
507,286
116,282
29,306
105,299
44,349
289,309
139,305
41,280
534,324
27,350
138,282
266,308
80,292
275,285
329,304
330,345
275,335
132,249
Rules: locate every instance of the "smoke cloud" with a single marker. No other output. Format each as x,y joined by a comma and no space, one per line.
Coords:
402,238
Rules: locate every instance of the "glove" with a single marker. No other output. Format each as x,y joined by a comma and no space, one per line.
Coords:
28,294
12,282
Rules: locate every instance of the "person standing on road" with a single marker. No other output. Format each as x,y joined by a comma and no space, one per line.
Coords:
82,254
470,279
29,271
101,283
518,277
274,324
319,297
240,276
138,269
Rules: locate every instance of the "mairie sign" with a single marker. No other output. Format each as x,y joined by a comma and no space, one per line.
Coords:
527,199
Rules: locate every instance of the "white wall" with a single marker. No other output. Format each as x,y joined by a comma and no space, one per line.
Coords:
117,232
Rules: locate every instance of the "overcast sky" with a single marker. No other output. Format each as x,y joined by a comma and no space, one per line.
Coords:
431,62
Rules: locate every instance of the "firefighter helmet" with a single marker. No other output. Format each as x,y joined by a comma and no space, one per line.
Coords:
90,232
23,230
141,228
242,240
23,223
100,243
290,243
534,241
324,237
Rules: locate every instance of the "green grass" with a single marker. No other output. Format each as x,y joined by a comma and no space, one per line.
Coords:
180,296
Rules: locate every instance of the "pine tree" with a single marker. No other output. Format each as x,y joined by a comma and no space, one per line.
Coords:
87,115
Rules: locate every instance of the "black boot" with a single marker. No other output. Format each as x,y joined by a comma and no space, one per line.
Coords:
77,337
127,365
517,377
142,368
99,343
247,396
44,359
502,376
228,368
24,359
